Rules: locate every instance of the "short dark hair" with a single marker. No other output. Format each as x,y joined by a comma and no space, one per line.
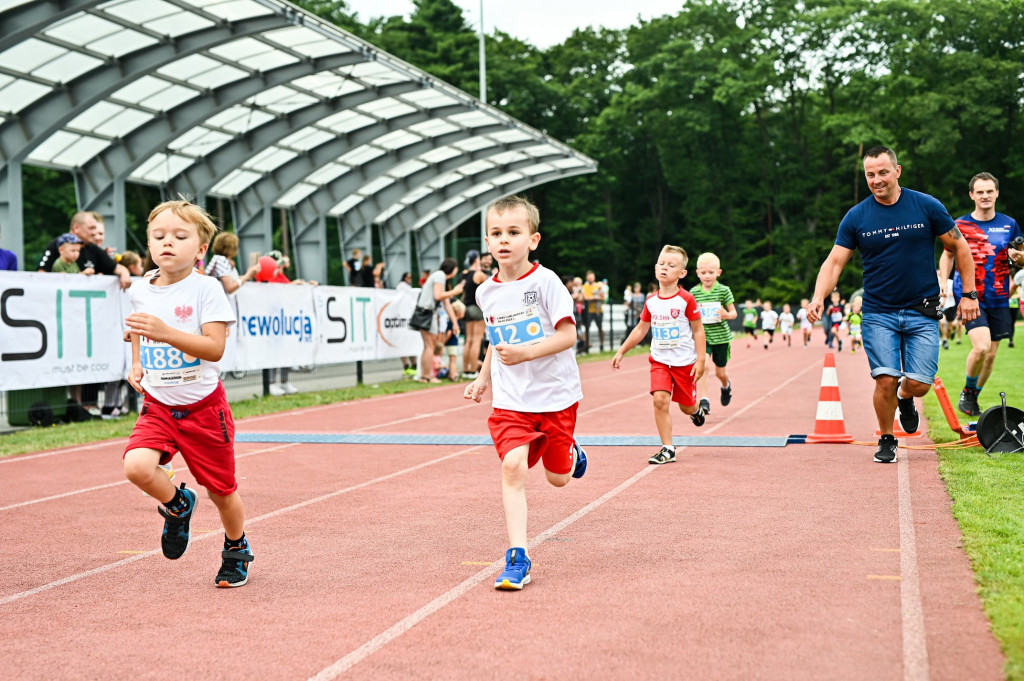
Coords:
878,150
983,176
448,265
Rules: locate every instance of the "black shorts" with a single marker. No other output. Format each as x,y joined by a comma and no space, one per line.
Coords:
720,353
949,313
997,319
751,330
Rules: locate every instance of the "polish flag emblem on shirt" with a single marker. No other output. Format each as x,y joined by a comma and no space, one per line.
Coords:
183,312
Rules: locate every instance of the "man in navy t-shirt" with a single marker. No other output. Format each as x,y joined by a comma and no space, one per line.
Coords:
895,230
989,235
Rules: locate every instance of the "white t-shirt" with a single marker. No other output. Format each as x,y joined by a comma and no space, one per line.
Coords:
527,310
786,320
801,314
768,319
172,377
671,336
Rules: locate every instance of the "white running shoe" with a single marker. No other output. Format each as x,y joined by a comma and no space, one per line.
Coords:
277,390
289,389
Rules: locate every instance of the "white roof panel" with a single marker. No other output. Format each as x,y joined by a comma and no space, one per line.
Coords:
270,159
67,67
54,145
345,121
233,10
80,151
29,55
441,154
161,167
328,173
235,182
199,141
361,155
296,194
19,93
306,139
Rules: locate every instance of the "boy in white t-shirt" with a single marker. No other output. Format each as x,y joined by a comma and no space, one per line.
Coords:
177,328
805,324
769,320
786,321
678,348
530,365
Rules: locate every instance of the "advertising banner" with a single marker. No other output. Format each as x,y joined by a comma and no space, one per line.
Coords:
276,326
60,329
346,318
394,308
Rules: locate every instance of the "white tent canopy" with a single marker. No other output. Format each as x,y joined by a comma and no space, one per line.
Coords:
259,103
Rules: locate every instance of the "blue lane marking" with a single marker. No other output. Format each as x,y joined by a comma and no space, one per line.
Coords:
472,440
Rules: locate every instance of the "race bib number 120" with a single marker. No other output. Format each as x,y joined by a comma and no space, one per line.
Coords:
519,326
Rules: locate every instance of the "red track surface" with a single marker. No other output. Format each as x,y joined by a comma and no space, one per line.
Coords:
801,562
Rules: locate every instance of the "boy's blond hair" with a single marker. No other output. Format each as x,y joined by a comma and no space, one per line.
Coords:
512,202
191,213
676,249
709,259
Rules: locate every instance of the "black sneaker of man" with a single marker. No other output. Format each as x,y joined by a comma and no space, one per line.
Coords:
910,420
727,394
665,455
705,404
969,402
887,446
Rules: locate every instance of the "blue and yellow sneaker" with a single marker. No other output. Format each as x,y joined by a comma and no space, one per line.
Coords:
580,464
234,568
517,570
176,536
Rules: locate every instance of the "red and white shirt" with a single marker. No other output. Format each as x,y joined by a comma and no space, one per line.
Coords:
671,336
171,376
527,310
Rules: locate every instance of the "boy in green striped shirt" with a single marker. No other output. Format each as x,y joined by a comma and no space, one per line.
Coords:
716,307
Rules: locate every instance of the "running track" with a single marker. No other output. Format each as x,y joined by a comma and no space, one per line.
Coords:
376,562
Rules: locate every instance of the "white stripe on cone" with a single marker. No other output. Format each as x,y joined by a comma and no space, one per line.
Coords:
829,377
829,411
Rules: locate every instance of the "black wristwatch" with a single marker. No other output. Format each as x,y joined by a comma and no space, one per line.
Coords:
973,295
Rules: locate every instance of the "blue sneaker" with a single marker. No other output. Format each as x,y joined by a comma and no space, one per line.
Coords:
176,536
517,570
581,461
234,568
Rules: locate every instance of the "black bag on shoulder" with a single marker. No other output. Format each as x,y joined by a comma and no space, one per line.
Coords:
421,319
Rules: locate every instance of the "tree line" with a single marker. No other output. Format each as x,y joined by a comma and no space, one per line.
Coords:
737,126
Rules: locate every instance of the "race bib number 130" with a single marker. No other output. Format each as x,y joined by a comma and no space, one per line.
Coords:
520,326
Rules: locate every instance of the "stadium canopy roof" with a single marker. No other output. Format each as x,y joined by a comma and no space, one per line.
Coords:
259,103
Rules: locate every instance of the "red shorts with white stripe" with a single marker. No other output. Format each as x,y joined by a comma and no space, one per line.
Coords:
676,381
203,432
549,434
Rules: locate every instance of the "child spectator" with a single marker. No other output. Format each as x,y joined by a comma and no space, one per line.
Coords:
678,348
69,247
530,364
451,343
716,307
132,261
174,361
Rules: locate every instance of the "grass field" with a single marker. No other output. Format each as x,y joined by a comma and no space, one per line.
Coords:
987,495
987,492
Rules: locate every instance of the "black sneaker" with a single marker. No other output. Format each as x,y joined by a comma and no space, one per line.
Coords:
727,393
840,346
705,404
665,455
969,402
886,453
176,536
910,420
234,568
945,344
698,417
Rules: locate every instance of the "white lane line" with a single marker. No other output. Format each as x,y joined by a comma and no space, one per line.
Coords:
125,482
915,648
402,626
248,522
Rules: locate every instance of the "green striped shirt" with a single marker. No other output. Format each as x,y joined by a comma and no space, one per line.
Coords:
717,332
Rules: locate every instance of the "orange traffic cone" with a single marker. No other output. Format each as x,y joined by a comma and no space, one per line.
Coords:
828,422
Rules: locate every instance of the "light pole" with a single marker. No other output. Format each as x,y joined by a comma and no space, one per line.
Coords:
483,98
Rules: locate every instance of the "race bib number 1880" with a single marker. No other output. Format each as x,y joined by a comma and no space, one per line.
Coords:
519,326
166,365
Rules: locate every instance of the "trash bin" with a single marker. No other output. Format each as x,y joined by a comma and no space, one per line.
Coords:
21,402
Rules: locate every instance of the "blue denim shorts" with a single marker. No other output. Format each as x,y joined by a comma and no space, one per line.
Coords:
904,343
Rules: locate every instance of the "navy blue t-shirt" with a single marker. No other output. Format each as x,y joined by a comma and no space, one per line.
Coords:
897,246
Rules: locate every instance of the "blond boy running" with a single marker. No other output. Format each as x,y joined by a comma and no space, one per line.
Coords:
717,306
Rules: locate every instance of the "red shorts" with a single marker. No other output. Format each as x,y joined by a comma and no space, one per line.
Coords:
676,381
203,432
549,434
